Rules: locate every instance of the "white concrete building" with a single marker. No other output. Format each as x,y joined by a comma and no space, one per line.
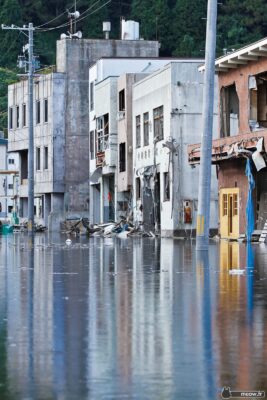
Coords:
105,119
3,167
167,116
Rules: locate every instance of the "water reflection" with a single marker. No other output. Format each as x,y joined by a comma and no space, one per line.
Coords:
137,319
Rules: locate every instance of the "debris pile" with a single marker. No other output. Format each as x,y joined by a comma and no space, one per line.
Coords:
122,230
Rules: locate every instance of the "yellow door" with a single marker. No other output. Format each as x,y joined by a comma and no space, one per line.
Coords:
229,213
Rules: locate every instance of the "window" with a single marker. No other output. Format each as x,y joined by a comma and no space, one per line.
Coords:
11,161
122,100
166,195
24,115
224,204
10,209
122,155
38,158
92,145
10,186
146,129
138,130
38,112
138,188
92,96
10,118
102,131
17,116
229,109
46,157
45,110
235,204
158,123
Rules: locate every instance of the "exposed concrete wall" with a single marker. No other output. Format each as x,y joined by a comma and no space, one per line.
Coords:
74,58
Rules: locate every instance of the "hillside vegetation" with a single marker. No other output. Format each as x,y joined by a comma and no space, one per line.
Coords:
179,25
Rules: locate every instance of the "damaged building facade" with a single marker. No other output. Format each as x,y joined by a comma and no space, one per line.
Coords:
110,144
242,135
61,127
167,116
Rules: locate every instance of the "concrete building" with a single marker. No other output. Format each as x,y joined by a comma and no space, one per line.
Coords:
3,167
243,131
62,126
49,142
167,116
110,127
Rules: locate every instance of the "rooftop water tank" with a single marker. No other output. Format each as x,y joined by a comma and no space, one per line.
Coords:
129,30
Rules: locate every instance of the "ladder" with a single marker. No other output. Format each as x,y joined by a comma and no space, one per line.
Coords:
263,235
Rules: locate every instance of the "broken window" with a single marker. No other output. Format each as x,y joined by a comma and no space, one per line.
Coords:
45,110
38,112
10,118
146,129
24,116
229,111
122,100
258,101
138,188
166,195
138,130
102,132
17,116
158,123
38,158
92,145
122,155
46,157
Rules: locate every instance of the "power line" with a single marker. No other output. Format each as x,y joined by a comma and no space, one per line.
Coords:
79,19
58,16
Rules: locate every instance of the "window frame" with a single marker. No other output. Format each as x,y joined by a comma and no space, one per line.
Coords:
158,122
138,131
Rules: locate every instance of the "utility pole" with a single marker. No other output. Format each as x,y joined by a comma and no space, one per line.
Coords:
31,67
203,214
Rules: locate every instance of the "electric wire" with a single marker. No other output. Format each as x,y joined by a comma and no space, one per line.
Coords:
58,16
78,19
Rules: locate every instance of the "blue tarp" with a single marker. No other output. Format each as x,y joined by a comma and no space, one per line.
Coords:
250,206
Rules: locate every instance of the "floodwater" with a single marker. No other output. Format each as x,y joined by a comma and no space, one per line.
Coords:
130,319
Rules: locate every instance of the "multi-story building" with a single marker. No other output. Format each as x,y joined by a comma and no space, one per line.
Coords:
110,100
61,126
167,116
243,131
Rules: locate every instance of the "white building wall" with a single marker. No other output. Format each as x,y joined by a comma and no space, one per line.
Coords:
3,178
179,88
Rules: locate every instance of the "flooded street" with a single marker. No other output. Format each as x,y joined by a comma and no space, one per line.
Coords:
130,319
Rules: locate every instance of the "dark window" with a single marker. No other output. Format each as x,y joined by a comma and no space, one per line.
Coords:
46,157
229,111
122,154
102,128
45,110
138,130
10,118
38,112
158,123
146,129
122,100
92,96
11,161
10,209
17,116
138,188
38,158
92,145
10,186
166,195
24,115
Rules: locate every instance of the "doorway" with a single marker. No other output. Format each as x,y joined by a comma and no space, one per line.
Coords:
229,213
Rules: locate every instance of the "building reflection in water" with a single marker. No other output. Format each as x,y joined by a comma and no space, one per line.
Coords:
135,318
